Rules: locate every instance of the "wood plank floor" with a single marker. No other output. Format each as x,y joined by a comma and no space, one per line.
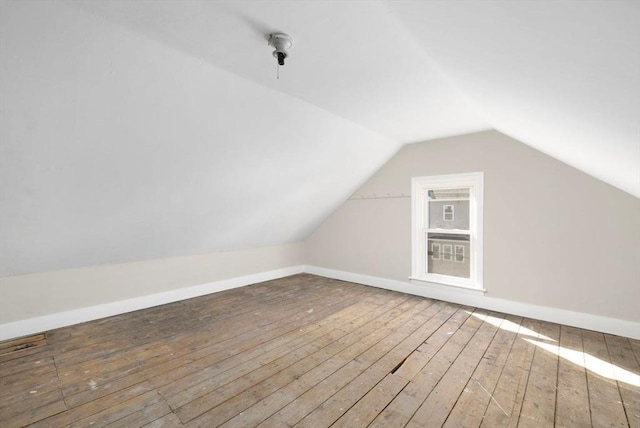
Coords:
308,351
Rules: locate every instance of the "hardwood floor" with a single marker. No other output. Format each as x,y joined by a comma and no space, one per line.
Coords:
308,351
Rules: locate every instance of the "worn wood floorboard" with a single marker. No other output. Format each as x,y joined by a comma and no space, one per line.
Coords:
604,395
506,401
626,365
538,406
572,399
308,351
474,400
258,385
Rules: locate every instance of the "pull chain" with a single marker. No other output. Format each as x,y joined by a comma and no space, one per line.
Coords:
278,71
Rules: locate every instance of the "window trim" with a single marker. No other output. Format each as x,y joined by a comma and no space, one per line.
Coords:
419,239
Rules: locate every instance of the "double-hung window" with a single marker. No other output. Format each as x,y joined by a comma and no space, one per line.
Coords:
447,229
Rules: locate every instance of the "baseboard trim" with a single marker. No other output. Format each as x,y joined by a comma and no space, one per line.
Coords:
44,323
561,316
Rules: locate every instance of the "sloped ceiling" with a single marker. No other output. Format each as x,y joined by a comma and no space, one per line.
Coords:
133,130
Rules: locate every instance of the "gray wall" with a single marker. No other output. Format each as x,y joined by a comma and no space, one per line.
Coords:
29,296
532,254
581,256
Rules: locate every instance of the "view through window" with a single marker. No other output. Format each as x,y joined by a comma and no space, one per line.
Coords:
447,229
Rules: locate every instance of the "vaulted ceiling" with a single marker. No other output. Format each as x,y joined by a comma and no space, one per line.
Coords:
134,130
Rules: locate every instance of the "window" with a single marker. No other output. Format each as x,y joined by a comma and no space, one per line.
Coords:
459,254
446,252
447,213
447,229
435,251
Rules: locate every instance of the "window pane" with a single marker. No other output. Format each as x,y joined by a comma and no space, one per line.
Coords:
452,254
435,251
449,209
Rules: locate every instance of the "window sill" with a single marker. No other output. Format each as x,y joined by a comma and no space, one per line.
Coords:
462,288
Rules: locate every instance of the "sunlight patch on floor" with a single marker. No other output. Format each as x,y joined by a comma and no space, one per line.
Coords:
591,363
510,326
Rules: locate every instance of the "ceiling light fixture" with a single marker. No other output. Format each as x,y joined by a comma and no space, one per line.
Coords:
281,42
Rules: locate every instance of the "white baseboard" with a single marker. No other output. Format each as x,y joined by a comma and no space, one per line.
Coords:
62,319
577,319
561,316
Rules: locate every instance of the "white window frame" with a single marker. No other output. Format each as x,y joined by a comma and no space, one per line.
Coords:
420,221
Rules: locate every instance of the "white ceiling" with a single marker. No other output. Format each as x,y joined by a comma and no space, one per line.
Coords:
142,129
561,76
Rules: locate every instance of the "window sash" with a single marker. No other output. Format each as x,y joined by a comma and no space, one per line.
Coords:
421,231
